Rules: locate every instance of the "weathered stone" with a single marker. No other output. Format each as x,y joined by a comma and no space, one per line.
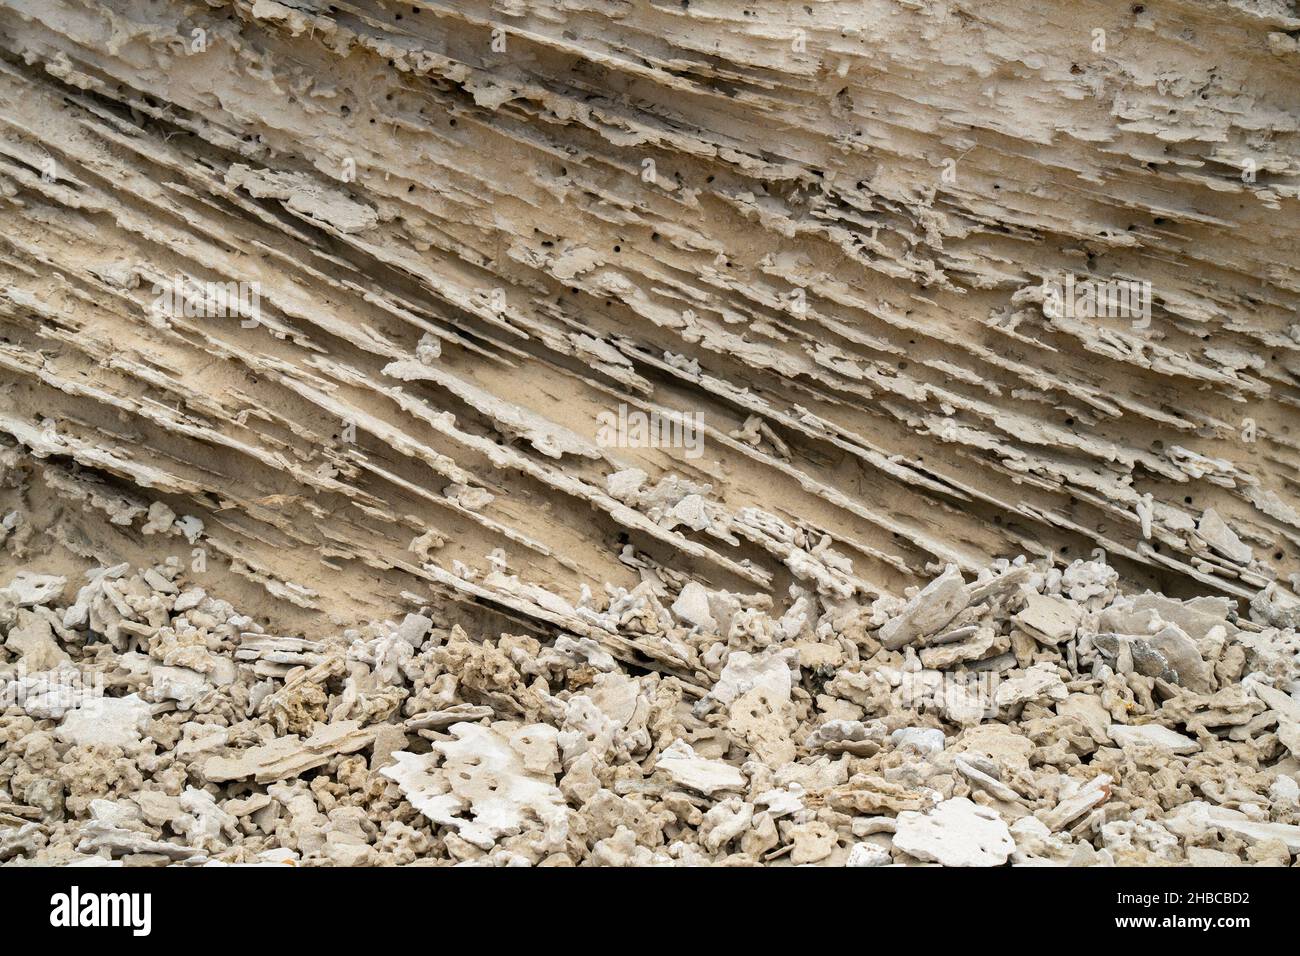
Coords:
1050,620
1153,735
30,590
955,833
682,765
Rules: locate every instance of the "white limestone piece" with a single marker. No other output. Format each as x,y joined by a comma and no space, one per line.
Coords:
955,833
708,777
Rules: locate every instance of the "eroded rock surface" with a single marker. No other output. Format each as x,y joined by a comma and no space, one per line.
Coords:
471,249
574,433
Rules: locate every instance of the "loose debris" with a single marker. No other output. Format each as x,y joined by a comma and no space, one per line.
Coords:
1027,716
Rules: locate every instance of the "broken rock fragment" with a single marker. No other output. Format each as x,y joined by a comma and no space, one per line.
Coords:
289,756
955,833
482,783
684,767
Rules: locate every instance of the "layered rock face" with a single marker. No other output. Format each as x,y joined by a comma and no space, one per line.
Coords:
825,234
651,335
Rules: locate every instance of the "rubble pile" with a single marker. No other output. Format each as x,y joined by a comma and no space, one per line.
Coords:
1029,716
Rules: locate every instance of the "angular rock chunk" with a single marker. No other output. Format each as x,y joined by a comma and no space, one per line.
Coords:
681,764
1050,620
934,606
481,785
1153,735
1223,539
955,833
289,756
30,590
107,721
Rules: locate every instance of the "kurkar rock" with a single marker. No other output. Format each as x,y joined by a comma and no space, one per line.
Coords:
567,433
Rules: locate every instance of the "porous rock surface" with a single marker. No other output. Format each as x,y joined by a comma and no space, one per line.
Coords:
352,574
825,229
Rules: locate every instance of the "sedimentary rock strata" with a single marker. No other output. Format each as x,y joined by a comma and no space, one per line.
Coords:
649,433
176,729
